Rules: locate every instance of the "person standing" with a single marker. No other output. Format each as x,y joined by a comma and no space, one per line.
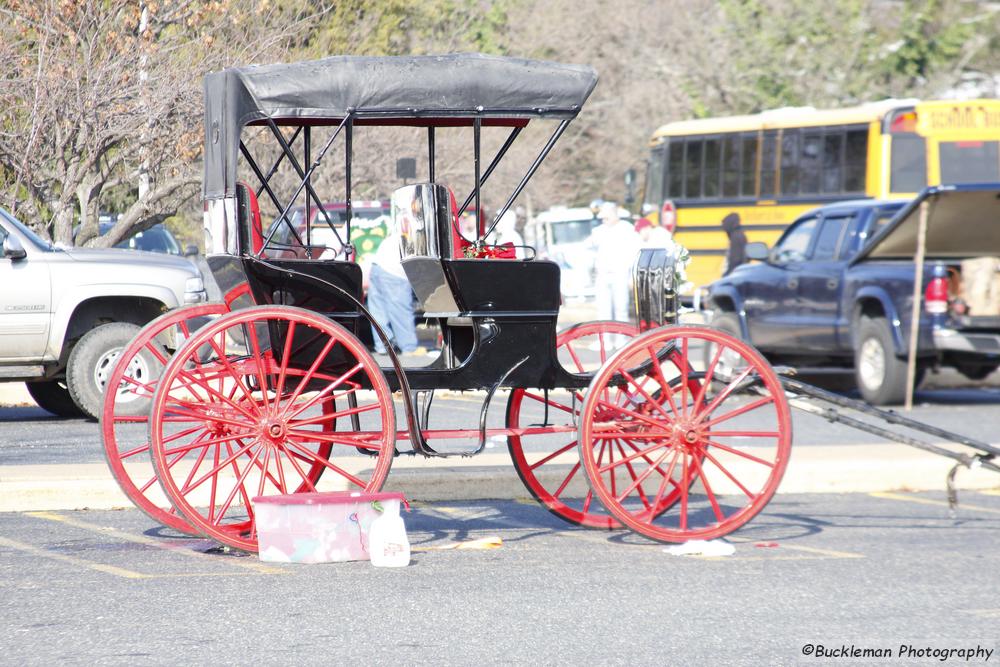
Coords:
506,232
617,246
736,254
390,297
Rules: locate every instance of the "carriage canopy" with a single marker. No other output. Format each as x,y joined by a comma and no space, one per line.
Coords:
432,90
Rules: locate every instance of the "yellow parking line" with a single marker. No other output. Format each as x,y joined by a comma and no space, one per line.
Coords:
107,569
141,539
927,501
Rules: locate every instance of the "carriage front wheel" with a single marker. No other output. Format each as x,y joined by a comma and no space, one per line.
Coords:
254,404
718,452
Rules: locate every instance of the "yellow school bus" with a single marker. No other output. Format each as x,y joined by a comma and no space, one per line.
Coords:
773,166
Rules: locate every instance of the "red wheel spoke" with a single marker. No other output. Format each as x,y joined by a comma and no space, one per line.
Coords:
646,458
730,475
633,414
631,472
745,434
719,516
738,411
561,450
259,367
311,371
685,371
263,470
662,380
218,467
239,488
709,372
635,435
223,359
576,359
685,486
285,353
550,403
724,394
328,464
211,441
630,457
641,478
204,383
332,415
363,439
565,482
649,399
668,477
733,450
292,456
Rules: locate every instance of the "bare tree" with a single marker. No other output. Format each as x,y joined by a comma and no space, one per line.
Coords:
102,94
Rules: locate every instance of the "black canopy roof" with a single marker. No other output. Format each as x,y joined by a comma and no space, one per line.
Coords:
435,88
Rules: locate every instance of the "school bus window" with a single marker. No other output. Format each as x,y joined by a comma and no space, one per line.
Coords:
731,165
749,182
908,163
856,160
768,163
713,168
811,164
969,161
833,158
675,172
653,192
790,162
692,169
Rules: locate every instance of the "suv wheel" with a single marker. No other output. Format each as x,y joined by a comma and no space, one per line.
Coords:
53,395
880,374
92,361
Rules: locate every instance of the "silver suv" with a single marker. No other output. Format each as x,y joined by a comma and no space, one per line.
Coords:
66,313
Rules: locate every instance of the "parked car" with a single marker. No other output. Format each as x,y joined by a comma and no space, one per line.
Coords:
66,313
836,291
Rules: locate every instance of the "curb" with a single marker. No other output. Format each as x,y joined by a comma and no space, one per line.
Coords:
812,469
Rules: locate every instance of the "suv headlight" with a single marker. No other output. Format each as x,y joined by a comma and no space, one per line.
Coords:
194,290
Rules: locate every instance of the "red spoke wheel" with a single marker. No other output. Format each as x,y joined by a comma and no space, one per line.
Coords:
717,455
254,404
127,403
547,460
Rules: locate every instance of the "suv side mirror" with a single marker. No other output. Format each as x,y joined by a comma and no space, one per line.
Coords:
757,250
12,248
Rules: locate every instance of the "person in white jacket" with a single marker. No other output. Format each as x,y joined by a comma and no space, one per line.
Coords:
617,246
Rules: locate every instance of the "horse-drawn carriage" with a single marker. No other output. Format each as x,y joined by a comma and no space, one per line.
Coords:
234,401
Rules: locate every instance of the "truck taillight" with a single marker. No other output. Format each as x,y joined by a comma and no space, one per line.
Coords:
668,216
936,293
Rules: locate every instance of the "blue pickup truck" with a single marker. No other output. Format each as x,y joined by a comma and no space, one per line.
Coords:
836,290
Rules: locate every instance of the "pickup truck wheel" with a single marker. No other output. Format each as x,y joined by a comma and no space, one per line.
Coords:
53,396
729,323
881,376
92,361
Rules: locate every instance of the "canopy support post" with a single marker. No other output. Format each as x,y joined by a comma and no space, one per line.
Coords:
430,154
531,172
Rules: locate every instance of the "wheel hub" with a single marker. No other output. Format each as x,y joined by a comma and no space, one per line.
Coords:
273,430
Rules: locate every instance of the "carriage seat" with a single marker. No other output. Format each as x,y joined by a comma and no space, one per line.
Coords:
450,285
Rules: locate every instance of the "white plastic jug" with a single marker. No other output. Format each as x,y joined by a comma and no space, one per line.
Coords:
387,542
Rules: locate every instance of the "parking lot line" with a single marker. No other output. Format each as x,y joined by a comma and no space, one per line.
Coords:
79,562
141,539
927,501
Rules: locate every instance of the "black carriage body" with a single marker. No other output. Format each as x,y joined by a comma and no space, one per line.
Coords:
500,326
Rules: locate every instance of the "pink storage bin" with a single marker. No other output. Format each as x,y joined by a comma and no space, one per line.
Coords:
317,527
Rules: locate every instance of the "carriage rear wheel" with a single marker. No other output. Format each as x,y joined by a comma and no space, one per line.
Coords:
717,453
127,401
256,404
128,398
